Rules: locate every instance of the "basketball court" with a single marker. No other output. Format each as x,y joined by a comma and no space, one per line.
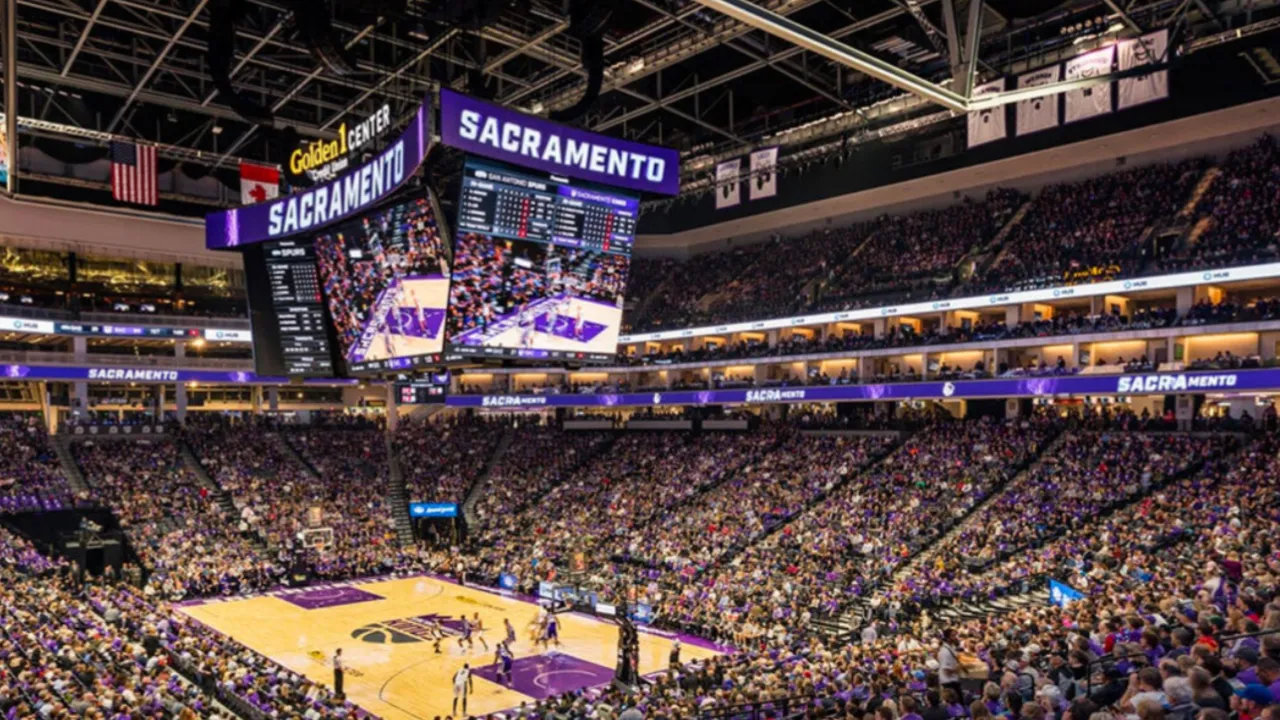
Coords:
406,320
598,334
392,669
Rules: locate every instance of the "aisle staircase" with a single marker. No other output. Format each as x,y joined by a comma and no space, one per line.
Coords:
302,461
206,481
859,609
930,552
398,496
70,468
1202,187
997,242
477,488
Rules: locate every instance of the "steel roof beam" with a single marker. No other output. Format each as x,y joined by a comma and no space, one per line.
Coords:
653,62
84,35
748,69
201,47
816,42
155,65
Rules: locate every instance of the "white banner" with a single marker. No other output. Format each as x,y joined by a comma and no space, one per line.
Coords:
1146,50
728,189
1039,113
987,125
764,181
1095,100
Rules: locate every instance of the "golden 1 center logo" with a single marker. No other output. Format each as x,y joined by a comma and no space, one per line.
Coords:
323,159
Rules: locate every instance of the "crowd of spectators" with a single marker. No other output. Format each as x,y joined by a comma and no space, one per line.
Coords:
917,253
440,459
1087,475
173,522
747,538
1090,230
1242,209
538,459
107,650
31,477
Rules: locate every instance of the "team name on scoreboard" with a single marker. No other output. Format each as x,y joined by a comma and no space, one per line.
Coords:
344,196
528,142
502,133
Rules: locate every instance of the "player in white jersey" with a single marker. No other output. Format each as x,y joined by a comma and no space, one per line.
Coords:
478,625
462,687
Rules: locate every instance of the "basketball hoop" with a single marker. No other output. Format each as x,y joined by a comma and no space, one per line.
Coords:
318,539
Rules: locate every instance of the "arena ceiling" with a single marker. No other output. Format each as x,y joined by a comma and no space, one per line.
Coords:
705,77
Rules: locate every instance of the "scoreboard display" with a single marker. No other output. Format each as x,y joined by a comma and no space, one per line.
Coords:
366,295
515,204
540,266
298,307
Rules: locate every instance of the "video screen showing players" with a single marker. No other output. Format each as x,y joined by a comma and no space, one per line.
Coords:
386,281
540,267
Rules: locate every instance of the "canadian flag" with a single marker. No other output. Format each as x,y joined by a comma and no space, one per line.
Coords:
258,183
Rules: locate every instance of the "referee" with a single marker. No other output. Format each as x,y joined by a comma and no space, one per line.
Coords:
337,673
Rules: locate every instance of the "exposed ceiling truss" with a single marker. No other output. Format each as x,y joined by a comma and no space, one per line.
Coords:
710,77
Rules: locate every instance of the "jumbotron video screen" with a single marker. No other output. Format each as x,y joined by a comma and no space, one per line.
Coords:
385,277
540,266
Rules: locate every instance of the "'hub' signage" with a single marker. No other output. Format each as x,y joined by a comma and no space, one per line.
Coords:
530,141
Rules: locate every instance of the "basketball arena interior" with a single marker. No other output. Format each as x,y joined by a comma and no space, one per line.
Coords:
640,359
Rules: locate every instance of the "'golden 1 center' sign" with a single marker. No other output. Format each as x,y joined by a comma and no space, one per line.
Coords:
323,159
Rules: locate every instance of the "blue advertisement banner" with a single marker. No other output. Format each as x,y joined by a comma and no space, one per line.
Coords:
433,510
507,581
529,141
327,203
1062,595
642,613
1155,383
150,375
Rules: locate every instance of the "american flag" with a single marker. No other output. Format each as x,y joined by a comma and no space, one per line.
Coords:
133,173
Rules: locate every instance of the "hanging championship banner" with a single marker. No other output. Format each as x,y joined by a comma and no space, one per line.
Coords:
764,181
1149,49
987,125
1094,100
728,189
1038,113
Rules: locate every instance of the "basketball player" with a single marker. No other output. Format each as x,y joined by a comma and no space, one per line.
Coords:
504,659
511,631
479,626
527,328
550,632
466,634
462,687
577,323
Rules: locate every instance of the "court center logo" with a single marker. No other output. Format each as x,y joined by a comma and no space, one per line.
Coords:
402,631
